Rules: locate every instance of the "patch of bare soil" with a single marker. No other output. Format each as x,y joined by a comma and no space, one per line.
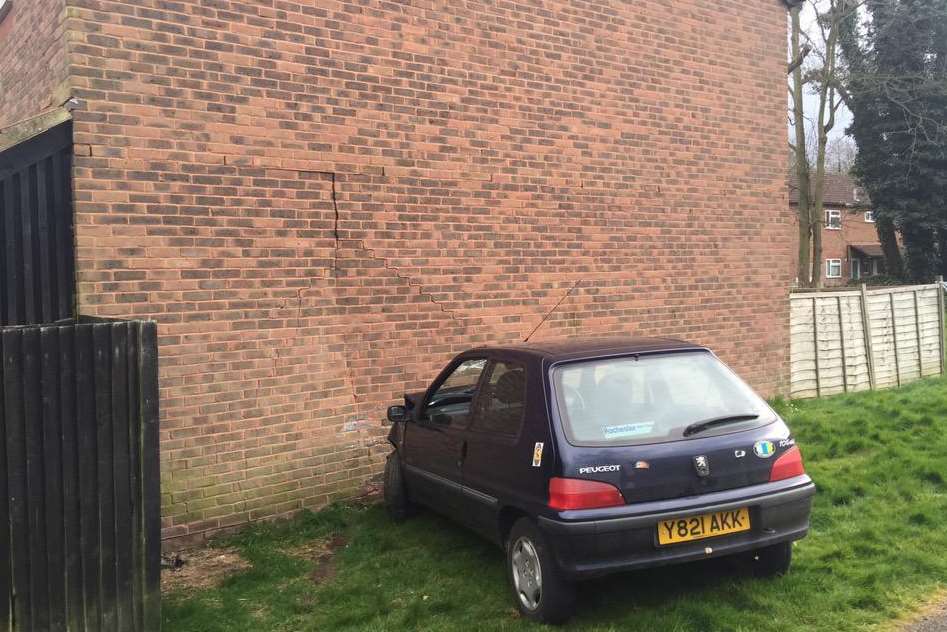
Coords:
370,494
322,554
932,617
202,569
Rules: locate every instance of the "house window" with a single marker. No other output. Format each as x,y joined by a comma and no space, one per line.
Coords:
833,219
870,216
833,268
856,268
857,194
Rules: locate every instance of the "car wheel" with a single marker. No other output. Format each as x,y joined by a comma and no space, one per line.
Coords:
772,561
541,592
396,496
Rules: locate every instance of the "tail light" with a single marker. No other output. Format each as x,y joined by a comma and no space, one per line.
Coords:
574,493
787,465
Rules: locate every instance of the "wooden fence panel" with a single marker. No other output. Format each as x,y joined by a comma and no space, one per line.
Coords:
79,489
929,331
831,351
852,334
37,252
883,340
6,578
829,347
802,363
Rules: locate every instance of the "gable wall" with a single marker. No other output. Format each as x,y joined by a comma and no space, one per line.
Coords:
321,202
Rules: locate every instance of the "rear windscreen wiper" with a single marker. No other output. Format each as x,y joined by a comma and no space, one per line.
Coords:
700,426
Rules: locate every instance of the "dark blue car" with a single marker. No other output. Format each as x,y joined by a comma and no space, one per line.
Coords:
583,458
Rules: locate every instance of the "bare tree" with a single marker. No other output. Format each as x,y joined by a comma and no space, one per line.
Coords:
840,154
801,161
815,66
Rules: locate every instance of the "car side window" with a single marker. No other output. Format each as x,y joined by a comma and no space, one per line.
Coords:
502,404
450,403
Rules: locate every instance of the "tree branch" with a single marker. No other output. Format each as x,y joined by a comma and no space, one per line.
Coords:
800,58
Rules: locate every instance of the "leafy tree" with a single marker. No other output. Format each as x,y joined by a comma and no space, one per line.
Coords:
896,87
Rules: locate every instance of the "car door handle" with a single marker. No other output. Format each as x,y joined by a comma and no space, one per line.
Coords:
463,454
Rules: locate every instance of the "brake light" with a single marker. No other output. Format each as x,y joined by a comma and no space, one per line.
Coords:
788,465
574,493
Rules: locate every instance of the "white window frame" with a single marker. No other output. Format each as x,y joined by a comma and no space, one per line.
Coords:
870,217
828,268
829,213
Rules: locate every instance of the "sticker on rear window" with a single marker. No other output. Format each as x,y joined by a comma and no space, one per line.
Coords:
628,430
538,454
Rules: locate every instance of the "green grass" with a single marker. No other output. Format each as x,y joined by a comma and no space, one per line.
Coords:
878,548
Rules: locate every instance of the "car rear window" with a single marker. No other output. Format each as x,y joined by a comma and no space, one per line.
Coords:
653,398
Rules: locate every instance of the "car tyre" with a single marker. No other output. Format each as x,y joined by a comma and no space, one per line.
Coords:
539,588
772,561
397,504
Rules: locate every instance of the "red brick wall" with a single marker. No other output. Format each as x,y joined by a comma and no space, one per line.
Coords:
321,202
32,58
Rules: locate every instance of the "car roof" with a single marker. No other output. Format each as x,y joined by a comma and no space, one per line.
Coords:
585,348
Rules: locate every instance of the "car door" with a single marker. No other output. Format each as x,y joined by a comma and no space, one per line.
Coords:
434,441
497,461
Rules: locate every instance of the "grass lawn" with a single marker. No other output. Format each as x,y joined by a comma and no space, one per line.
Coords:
878,548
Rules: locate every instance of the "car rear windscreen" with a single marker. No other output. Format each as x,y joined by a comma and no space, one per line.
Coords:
653,399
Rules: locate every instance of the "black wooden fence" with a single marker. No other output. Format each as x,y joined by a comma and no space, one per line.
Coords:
79,478
37,259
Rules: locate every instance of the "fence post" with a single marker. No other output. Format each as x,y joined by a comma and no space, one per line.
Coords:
917,329
841,337
940,319
866,325
815,347
894,335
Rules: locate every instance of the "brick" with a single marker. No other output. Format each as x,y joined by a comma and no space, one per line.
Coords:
33,60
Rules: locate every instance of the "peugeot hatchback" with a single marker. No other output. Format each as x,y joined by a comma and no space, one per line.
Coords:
583,458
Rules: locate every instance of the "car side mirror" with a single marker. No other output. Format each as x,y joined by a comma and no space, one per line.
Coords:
397,413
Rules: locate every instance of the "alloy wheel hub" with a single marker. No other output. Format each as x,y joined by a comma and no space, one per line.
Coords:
527,573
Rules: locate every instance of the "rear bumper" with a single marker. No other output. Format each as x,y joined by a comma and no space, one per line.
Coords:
779,512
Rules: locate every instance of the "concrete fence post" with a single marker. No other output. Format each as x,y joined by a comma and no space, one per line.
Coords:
866,325
894,335
841,337
940,319
815,343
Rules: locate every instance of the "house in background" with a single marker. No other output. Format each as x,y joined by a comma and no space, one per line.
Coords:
851,249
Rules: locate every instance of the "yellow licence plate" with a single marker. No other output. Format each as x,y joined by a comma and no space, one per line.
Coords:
705,526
